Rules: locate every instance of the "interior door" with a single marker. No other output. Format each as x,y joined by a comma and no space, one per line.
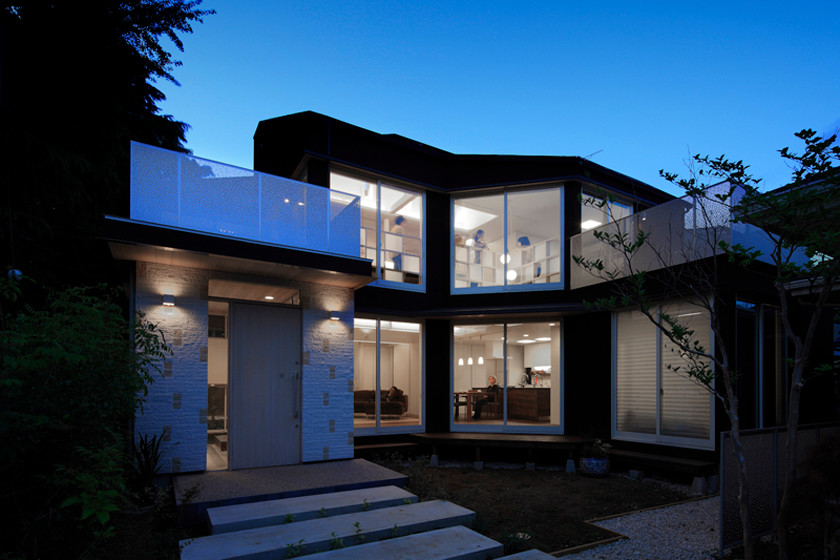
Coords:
264,386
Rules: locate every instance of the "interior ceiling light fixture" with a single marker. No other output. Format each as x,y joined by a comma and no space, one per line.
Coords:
589,224
543,339
526,341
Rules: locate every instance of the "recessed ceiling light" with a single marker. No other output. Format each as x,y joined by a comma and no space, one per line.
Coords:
589,224
269,297
526,341
543,339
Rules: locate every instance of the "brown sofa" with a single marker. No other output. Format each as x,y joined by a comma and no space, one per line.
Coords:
364,403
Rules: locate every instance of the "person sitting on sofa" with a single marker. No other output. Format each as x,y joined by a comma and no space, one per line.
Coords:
490,396
394,394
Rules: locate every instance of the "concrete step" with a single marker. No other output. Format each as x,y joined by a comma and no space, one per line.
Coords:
532,554
452,543
277,512
318,535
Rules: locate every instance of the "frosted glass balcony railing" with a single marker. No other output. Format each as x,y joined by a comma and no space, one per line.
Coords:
680,231
175,189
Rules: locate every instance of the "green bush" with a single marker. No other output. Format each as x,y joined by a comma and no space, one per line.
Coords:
71,378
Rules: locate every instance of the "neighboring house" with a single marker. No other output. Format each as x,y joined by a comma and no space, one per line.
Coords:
475,280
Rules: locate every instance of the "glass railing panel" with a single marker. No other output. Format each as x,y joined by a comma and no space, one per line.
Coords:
180,190
345,212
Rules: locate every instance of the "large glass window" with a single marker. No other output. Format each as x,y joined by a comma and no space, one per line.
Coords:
388,378
508,239
655,401
392,226
522,361
600,209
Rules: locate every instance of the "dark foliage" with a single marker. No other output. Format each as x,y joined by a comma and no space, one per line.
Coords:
76,85
71,378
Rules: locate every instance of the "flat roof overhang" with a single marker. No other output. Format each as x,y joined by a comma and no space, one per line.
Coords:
131,240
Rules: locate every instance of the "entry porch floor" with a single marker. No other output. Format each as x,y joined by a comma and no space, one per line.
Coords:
194,493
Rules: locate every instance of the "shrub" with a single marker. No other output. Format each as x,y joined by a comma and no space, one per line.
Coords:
71,378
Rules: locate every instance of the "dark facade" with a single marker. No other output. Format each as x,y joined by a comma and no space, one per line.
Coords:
311,147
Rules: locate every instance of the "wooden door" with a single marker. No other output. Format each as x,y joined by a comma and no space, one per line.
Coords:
264,386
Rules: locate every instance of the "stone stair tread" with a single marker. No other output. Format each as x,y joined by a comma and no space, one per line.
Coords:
532,554
225,519
451,543
317,535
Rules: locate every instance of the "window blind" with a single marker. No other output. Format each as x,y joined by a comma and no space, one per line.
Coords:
636,371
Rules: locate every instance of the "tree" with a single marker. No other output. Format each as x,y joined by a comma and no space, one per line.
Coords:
76,85
804,246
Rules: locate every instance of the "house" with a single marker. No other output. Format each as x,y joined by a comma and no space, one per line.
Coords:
296,296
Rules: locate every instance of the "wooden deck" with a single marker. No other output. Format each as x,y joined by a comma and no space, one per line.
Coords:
522,446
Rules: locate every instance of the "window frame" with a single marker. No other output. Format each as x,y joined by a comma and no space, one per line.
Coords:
657,437
506,286
378,428
378,279
505,426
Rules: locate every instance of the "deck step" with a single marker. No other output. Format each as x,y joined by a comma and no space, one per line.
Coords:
317,535
532,554
452,543
237,517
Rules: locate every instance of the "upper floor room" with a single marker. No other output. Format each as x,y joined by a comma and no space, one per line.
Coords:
453,223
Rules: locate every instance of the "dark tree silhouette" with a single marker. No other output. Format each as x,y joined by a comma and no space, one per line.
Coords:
77,83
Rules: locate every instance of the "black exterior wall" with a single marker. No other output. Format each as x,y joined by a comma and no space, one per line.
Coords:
306,146
587,371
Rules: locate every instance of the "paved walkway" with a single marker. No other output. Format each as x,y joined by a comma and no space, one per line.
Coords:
194,493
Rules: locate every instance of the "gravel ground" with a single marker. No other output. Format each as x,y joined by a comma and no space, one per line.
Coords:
686,531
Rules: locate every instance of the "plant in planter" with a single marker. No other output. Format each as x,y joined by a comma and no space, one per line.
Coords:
596,459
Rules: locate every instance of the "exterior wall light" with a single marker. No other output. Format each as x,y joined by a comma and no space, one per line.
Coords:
334,316
168,300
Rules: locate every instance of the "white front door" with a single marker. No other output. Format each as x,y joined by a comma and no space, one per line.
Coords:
264,386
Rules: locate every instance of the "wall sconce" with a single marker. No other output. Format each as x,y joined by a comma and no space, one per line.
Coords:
481,360
469,361
168,300
333,315
460,361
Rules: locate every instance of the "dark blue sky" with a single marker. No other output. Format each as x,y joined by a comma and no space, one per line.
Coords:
639,85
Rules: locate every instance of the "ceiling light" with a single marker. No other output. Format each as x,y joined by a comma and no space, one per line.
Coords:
269,298
589,224
511,275
504,258
526,341
543,339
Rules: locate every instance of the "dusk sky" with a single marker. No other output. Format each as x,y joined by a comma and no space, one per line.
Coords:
634,86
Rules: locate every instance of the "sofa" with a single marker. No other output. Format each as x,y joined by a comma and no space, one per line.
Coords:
364,402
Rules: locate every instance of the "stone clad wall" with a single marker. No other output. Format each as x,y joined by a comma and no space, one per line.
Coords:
327,407
177,403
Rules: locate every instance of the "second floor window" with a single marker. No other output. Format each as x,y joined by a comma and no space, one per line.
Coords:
391,226
508,239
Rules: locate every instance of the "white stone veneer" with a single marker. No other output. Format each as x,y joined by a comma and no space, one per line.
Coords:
177,403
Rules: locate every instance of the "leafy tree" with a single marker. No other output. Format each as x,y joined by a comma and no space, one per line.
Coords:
71,377
76,85
797,221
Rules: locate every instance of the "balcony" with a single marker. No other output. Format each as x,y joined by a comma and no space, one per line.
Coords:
680,231
183,191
